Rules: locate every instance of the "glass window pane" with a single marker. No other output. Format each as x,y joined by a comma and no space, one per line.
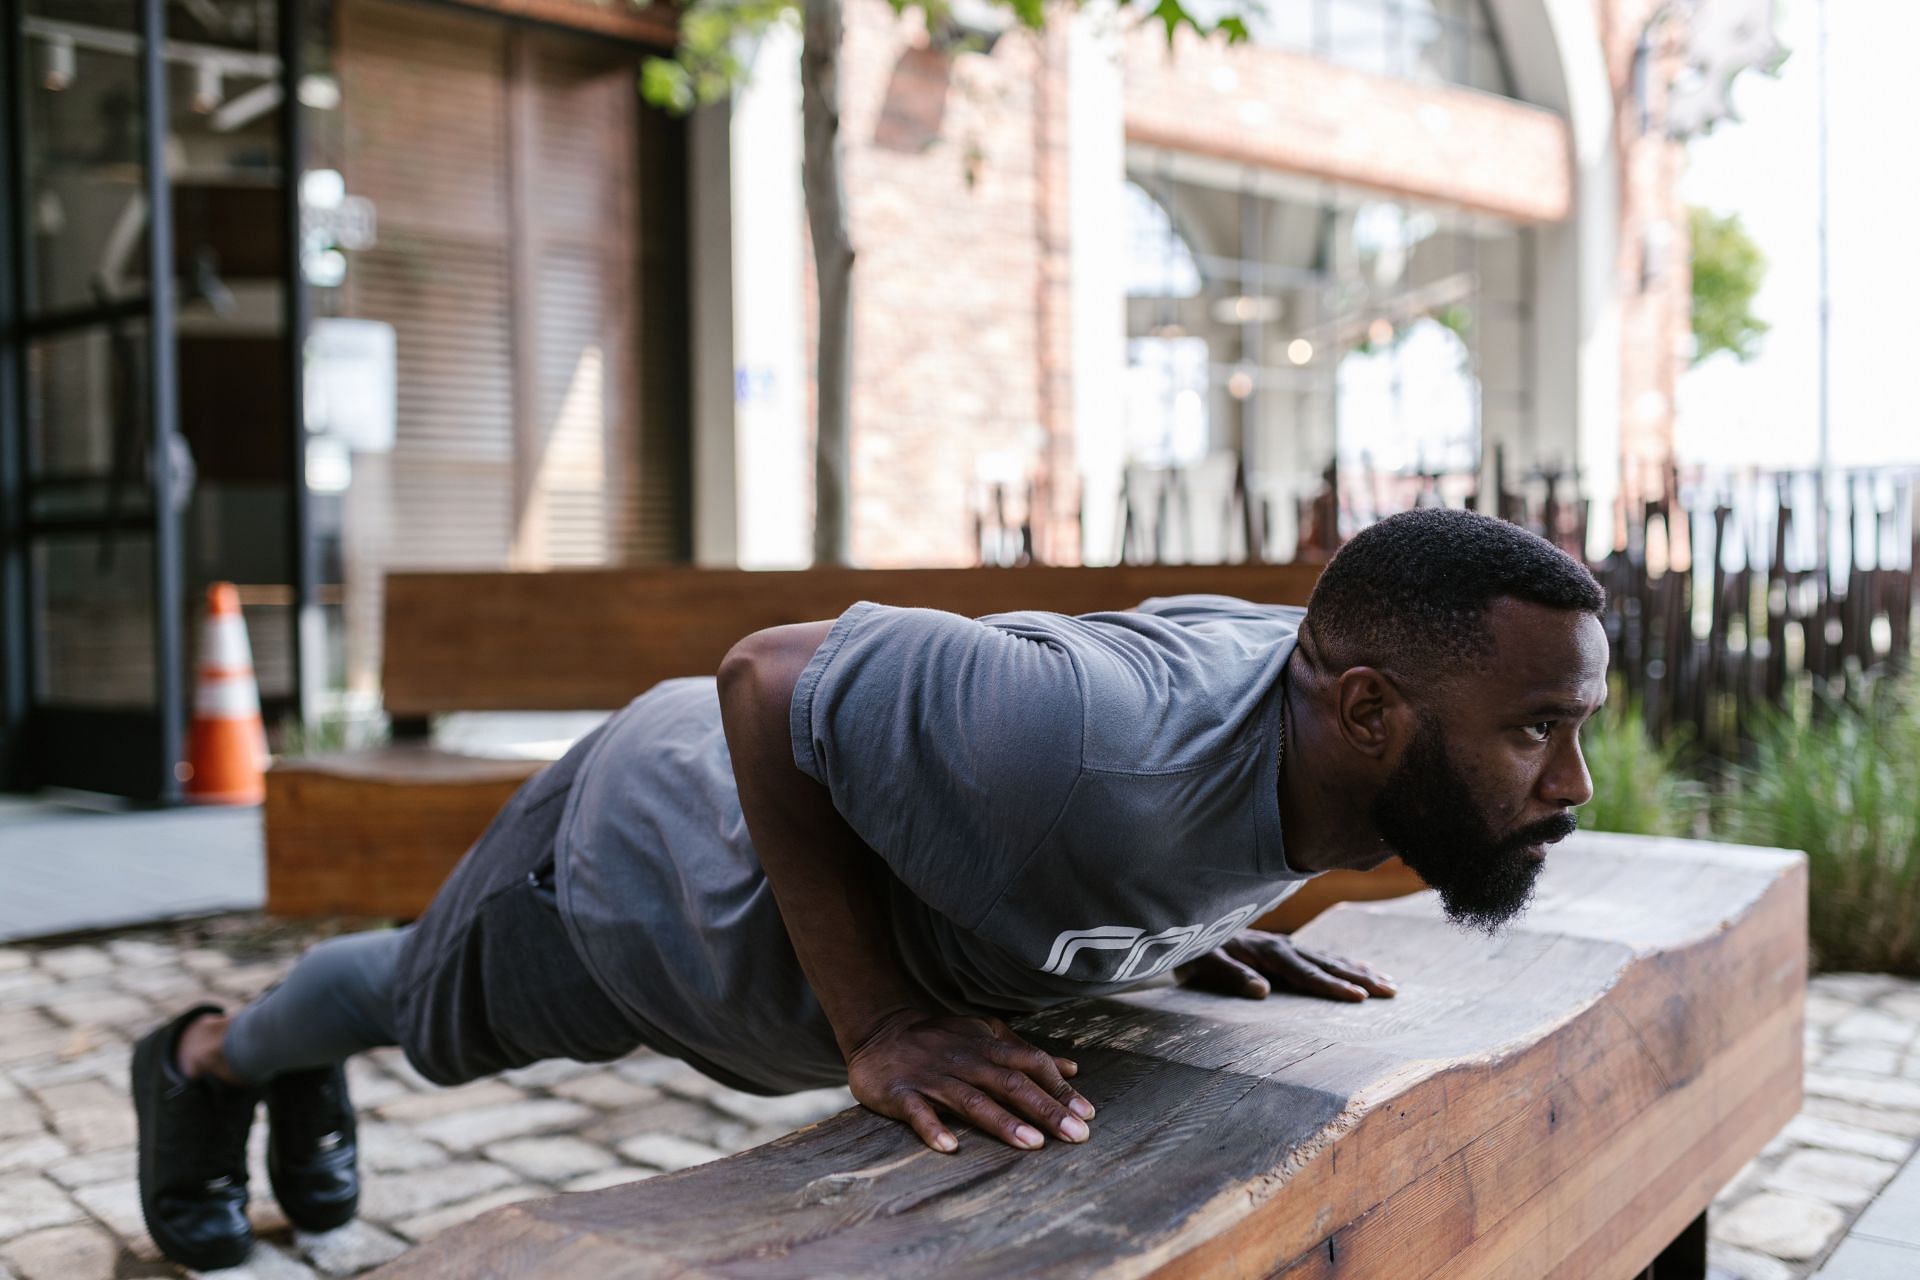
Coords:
85,208
1360,34
1284,24
86,395
1501,340
1500,261
1484,69
94,617
1426,50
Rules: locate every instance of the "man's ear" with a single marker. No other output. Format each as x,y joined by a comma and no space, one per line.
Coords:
1371,713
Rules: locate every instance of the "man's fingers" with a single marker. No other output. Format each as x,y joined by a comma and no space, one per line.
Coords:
922,1119
1281,962
988,1116
1024,1079
1353,971
1218,971
1045,1069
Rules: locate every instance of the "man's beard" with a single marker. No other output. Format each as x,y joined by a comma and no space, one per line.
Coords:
1427,814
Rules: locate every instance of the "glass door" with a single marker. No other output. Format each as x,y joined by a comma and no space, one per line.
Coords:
99,474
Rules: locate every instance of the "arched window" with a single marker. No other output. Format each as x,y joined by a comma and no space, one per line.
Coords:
1409,403
1160,262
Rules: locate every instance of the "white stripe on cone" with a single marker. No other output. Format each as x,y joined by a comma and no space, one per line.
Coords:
224,645
231,696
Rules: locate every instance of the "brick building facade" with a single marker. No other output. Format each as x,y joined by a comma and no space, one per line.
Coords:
997,339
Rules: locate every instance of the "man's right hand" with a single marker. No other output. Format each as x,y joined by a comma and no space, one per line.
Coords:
974,1068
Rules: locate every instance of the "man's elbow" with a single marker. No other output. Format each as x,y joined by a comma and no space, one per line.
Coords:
742,667
769,662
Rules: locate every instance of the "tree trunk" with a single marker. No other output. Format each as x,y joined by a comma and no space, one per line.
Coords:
833,269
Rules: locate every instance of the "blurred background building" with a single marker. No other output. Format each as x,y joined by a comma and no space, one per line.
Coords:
299,291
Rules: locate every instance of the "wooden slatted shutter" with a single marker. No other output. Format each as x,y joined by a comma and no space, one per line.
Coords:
572,120
503,163
424,103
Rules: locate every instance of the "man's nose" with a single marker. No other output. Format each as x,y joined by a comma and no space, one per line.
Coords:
1567,784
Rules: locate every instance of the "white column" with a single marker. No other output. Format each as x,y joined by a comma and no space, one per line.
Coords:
1096,185
773,453
709,182
1554,49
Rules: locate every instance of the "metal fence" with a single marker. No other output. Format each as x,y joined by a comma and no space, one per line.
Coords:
1733,591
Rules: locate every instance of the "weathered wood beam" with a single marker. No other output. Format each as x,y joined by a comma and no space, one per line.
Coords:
1563,1100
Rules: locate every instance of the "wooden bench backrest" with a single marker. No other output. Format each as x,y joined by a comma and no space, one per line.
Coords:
593,639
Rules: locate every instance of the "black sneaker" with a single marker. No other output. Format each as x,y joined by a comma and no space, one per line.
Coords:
193,1154
312,1149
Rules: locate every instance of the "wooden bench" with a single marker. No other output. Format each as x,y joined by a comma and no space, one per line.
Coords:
375,832
1562,1101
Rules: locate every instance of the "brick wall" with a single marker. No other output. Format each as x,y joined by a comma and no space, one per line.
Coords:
1287,111
1653,277
955,184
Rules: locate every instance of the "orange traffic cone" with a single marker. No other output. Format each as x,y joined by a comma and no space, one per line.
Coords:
227,747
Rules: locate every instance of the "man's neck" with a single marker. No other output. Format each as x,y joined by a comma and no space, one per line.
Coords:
1323,816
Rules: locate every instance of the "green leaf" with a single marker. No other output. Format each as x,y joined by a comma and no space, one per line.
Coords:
665,83
1727,270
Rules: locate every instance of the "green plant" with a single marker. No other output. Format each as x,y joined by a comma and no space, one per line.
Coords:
331,731
1638,785
1727,269
1841,781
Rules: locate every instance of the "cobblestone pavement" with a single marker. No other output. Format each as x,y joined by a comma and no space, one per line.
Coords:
434,1158
1783,1214
431,1158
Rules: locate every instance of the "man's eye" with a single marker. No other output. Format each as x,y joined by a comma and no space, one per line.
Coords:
1542,729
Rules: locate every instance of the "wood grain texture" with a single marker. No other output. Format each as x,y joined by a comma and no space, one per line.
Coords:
592,639
1560,1101
374,833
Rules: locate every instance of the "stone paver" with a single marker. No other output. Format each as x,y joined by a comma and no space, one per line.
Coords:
29,1202
666,1151
1838,1177
407,1195
1796,1211
555,1159
356,1247
468,1130
62,1253
1793,1228
434,1158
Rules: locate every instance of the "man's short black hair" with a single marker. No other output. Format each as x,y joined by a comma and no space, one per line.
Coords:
1411,593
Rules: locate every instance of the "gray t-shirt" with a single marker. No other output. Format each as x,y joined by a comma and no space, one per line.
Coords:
1063,807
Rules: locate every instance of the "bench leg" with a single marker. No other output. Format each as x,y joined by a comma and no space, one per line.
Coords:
1685,1258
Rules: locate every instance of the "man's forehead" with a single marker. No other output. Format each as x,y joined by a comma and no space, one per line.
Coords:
1541,652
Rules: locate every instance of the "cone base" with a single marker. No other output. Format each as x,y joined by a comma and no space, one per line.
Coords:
257,795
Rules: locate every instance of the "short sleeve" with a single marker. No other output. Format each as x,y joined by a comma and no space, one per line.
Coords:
949,745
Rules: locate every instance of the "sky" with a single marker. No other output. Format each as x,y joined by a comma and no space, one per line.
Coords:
1764,166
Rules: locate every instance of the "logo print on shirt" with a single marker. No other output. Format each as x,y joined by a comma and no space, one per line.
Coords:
1147,954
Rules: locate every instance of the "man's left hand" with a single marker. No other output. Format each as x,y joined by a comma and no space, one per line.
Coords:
1252,963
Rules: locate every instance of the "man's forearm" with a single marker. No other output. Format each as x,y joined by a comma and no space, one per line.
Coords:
831,888
904,1060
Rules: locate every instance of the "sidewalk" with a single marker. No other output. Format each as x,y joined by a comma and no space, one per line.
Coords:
433,1158
66,868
